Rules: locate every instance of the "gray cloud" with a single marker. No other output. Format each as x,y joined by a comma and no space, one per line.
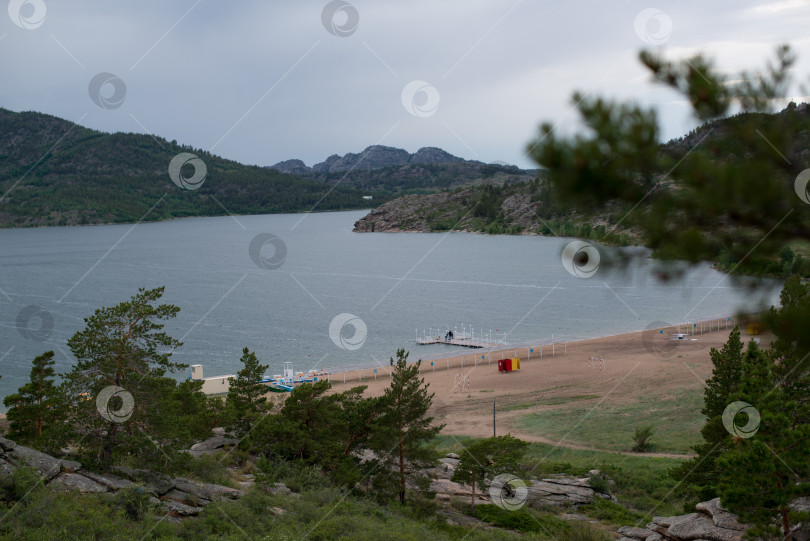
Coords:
261,82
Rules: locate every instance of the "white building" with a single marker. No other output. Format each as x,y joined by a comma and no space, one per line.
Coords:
213,385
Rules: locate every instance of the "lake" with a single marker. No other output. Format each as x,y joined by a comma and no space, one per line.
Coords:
275,283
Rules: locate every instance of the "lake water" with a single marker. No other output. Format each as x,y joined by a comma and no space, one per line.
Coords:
282,307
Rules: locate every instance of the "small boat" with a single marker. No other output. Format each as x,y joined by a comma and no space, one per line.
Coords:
287,382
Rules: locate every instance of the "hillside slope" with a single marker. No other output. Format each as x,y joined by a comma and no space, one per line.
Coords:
525,207
55,172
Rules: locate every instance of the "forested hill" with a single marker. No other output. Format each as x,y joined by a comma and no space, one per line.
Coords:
526,207
55,172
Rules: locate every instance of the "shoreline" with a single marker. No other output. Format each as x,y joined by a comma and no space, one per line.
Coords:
171,219
598,378
484,357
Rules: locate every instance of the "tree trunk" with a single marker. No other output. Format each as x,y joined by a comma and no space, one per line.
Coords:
472,499
39,416
786,523
108,445
401,468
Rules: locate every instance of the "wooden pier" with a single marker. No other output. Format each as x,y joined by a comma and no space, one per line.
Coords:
463,342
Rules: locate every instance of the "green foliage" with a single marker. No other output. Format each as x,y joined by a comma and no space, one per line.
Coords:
641,437
599,484
401,433
792,345
21,484
481,461
133,501
246,396
207,468
314,427
124,346
296,476
758,474
36,408
763,473
613,513
727,195
584,532
521,520
698,477
302,428
95,177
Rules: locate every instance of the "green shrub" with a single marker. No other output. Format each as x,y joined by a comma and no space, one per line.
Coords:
611,512
641,437
19,484
599,484
521,520
208,469
133,501
296,476
582,531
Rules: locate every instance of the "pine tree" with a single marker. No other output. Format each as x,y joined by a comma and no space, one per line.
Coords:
740,213
791,348
304,427
699,475
484,459
403,429
35,407
122,346
762,475
247,398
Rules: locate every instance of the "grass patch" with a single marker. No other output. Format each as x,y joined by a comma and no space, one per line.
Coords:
444,444
549,401
544,525
521,520
677,423
614,513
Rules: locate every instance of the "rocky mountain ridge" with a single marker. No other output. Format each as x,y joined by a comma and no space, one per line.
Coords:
373,157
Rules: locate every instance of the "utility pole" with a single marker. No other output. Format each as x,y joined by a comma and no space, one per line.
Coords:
493,416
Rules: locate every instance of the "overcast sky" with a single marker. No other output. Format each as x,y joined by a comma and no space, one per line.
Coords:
261,81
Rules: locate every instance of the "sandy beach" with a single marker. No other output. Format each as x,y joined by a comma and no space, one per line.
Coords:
613,370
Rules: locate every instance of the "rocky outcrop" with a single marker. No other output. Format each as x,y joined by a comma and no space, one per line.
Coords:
75,481
446,210
373,157
557,491
433,155
561,491
17,456
292,167
710,522
212,445
178,497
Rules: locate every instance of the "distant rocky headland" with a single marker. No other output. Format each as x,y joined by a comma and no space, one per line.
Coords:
373,157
